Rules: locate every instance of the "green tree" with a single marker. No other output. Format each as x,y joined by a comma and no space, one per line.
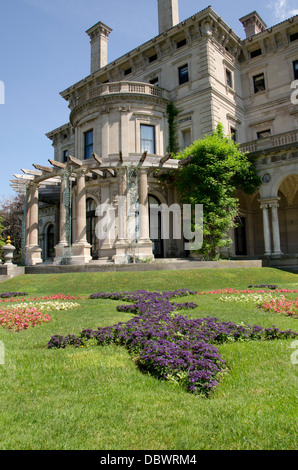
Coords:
11,213
215,170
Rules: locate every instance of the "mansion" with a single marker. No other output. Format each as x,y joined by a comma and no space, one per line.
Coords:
117,137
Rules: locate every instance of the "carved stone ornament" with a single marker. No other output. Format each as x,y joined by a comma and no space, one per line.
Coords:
266,178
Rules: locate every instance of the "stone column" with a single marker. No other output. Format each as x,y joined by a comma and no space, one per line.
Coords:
62,213
143,205
266,228
275,228
81,209
33,251
81,250
122,205
27,219
60,247
145,245
122,245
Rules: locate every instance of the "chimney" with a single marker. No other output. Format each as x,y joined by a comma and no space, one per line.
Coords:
99,36
253,24
168,14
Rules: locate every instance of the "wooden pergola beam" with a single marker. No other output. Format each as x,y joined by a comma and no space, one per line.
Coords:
164,159
75,160
143,157
32,172
185,160
57,164
44,169
97,158
25,177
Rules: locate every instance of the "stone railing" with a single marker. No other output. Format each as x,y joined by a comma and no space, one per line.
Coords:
121,87
272,141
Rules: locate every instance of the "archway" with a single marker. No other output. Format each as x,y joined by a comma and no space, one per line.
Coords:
288,214
50,241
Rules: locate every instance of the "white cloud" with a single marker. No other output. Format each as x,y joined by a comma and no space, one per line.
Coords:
282,9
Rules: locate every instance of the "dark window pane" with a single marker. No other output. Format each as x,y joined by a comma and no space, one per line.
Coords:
259,83
264,134
152,58
229,78
181,43
295,65
183,74
88,144
255,53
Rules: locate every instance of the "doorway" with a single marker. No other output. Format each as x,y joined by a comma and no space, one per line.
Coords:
158,246
240,237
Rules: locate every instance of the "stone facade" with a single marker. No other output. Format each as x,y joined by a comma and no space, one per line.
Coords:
212,76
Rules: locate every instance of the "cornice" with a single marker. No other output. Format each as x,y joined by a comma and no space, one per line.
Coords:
115,99
205,24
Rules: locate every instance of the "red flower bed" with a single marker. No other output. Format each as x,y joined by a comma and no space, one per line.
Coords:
22,318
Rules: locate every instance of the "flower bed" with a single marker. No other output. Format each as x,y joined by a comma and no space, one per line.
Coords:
5,295
257,299
21,318
168,345
283,306
25,314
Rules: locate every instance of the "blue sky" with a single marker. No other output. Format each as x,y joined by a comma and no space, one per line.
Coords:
44,49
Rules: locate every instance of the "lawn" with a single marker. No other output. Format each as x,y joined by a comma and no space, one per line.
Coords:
96,398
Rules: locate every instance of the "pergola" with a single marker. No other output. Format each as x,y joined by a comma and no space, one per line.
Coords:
54,181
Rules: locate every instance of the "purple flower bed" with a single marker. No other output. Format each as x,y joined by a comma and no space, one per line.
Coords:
168,345
7,295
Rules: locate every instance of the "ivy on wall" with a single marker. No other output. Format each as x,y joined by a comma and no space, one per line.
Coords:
172,113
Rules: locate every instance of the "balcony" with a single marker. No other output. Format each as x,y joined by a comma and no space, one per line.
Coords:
274,141
125,87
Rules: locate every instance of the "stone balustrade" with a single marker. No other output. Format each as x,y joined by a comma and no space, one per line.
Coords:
272,141
121,87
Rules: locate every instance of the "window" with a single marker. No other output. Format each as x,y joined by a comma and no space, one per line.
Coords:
181,43
233,134
154,81
295,66
147,138
152,58
127,71
88,144
229,78
183,74
264,134
65,155
255,53
293,37
186,138
259,83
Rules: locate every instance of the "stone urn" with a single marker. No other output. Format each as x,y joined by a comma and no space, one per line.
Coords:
8,250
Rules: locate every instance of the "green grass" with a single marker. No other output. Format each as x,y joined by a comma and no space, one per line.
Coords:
95,397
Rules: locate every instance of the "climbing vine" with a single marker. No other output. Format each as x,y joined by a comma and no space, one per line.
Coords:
172,113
